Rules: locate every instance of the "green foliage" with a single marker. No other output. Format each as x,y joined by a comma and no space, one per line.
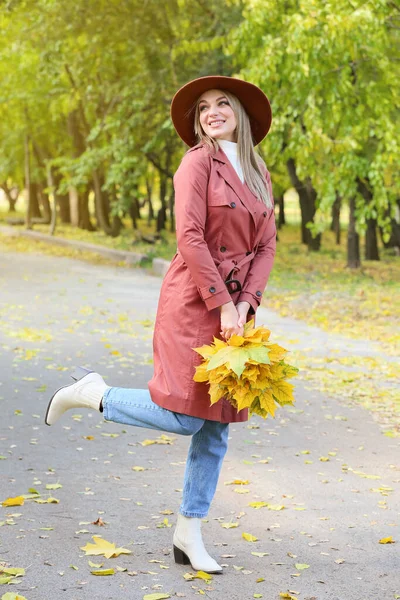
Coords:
332,72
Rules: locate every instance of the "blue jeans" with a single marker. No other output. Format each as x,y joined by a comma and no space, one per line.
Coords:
207,448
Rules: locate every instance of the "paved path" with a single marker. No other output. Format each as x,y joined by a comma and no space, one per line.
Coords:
56,312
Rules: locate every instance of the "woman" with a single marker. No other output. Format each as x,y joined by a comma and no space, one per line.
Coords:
225,247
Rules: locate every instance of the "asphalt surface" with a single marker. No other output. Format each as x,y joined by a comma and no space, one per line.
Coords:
58,312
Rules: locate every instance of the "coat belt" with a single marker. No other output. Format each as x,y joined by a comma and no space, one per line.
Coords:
229,268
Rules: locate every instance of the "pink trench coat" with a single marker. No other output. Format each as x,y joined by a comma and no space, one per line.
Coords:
223,232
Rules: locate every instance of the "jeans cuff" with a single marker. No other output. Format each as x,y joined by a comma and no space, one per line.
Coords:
106,408
193,515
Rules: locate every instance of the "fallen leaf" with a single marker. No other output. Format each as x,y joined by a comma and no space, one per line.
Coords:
99,522
229,525
237,482
387,540
275,507
12,596
258,504
17,501
260,554
101,546
47,501
103,572
94,565
301,566
287,596
249,538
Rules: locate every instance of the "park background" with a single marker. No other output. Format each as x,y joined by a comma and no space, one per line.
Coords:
87,155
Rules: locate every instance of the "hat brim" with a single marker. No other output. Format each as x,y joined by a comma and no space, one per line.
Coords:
253,100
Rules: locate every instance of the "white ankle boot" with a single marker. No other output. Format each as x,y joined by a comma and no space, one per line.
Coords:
189,547
87,392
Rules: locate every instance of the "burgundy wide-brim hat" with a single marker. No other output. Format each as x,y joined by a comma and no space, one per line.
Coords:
253,100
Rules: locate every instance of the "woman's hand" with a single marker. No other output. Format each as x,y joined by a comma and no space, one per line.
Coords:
242,309
230,321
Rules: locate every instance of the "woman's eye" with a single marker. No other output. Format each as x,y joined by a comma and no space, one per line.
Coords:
224,102
202,108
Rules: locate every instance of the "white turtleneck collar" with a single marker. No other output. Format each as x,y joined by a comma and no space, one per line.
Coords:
230,149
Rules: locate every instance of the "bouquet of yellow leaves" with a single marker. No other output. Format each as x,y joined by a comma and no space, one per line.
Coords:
248,370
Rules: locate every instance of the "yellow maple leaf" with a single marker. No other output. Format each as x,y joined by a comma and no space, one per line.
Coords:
249,538
206,351
387,540
267,402
246,400
201,373
103,547
215,393
17,501
276,352
287,596
282,392
229,525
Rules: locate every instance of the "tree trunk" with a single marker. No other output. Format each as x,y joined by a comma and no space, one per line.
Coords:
353,239
74,206
11,195
162,213
84,215
281,214
28,216
101,203
149,188
52,194
371,241
44,202
335,223
34,200
63,207
308,207
171,203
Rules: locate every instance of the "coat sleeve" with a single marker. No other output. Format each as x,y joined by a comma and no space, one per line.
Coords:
190,183
261,265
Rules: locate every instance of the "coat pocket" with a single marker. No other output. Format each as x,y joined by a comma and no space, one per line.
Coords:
219,200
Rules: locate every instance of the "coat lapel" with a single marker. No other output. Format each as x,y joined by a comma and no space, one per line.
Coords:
228,173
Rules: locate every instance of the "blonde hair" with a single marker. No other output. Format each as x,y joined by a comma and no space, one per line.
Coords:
251,162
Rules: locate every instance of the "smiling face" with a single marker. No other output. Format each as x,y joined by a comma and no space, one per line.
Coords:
217,118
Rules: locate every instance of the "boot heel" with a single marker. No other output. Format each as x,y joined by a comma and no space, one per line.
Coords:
180,557
80,372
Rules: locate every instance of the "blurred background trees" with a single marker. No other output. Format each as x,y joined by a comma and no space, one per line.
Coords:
86,88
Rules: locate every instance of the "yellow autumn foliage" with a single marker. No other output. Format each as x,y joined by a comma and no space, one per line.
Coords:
247,370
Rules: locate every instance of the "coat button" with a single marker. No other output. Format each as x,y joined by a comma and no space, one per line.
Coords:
212,290
222,249
264,214
259,294
233,204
